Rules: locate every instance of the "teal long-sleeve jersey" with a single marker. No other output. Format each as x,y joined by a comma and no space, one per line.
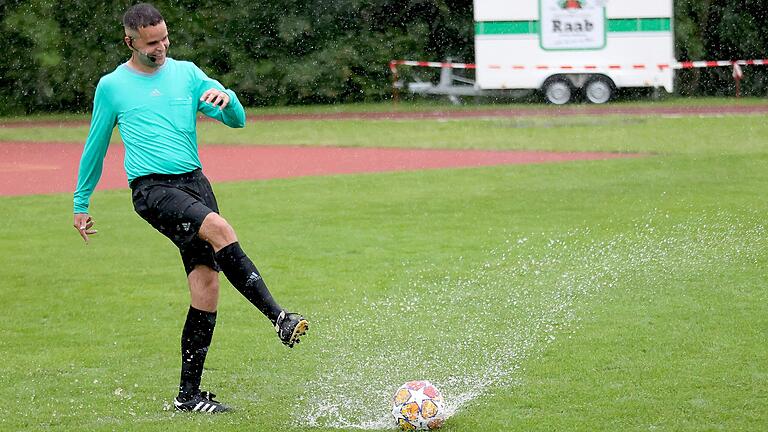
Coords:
156,115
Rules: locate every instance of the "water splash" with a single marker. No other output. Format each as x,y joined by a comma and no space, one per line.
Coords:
476,327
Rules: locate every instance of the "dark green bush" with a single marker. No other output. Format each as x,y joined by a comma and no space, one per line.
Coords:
311,51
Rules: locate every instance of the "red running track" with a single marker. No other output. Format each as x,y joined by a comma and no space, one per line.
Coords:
36,168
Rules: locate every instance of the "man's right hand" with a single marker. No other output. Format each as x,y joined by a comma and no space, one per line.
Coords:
83,224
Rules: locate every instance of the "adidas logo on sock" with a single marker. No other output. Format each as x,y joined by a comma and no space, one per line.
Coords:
252,279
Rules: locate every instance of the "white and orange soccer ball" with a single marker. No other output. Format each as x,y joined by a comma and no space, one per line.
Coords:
418,405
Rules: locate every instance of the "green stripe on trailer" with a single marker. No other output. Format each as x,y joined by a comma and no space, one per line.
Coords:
506,27
614,26
639,24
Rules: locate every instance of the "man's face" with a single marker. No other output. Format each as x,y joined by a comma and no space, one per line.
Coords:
153,41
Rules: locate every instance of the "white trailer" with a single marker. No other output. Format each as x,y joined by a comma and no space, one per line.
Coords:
565,46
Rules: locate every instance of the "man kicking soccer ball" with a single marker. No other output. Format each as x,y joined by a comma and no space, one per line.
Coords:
154,100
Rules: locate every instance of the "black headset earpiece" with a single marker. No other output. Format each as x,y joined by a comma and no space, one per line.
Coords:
151,58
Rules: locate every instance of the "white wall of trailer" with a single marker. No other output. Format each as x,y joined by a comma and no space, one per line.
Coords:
506,10
514,10
510,58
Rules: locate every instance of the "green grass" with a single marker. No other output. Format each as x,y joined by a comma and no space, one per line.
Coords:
588,296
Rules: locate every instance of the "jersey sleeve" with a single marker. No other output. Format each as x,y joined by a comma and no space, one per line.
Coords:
233,115
103,122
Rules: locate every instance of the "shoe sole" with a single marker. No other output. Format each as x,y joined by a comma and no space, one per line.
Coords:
300,330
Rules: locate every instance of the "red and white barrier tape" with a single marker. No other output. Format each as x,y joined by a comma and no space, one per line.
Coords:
718,63
394,63
679,65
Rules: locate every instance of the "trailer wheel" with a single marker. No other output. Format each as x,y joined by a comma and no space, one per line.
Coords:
599,90
558,91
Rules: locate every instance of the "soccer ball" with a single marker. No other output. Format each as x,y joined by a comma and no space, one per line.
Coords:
418,405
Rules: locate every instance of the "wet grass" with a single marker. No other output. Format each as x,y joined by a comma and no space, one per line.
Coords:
602,295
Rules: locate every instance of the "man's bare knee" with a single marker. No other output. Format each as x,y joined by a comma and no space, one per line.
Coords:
217,231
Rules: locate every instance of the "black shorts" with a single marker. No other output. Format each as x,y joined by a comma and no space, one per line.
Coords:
176,205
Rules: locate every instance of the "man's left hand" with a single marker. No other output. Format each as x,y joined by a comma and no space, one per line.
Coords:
215,97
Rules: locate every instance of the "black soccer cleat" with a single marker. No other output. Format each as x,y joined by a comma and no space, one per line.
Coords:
289,327
201,402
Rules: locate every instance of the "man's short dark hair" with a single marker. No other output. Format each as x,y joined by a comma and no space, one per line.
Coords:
141,15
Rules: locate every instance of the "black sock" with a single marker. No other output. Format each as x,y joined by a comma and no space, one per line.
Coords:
241,272
195,340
